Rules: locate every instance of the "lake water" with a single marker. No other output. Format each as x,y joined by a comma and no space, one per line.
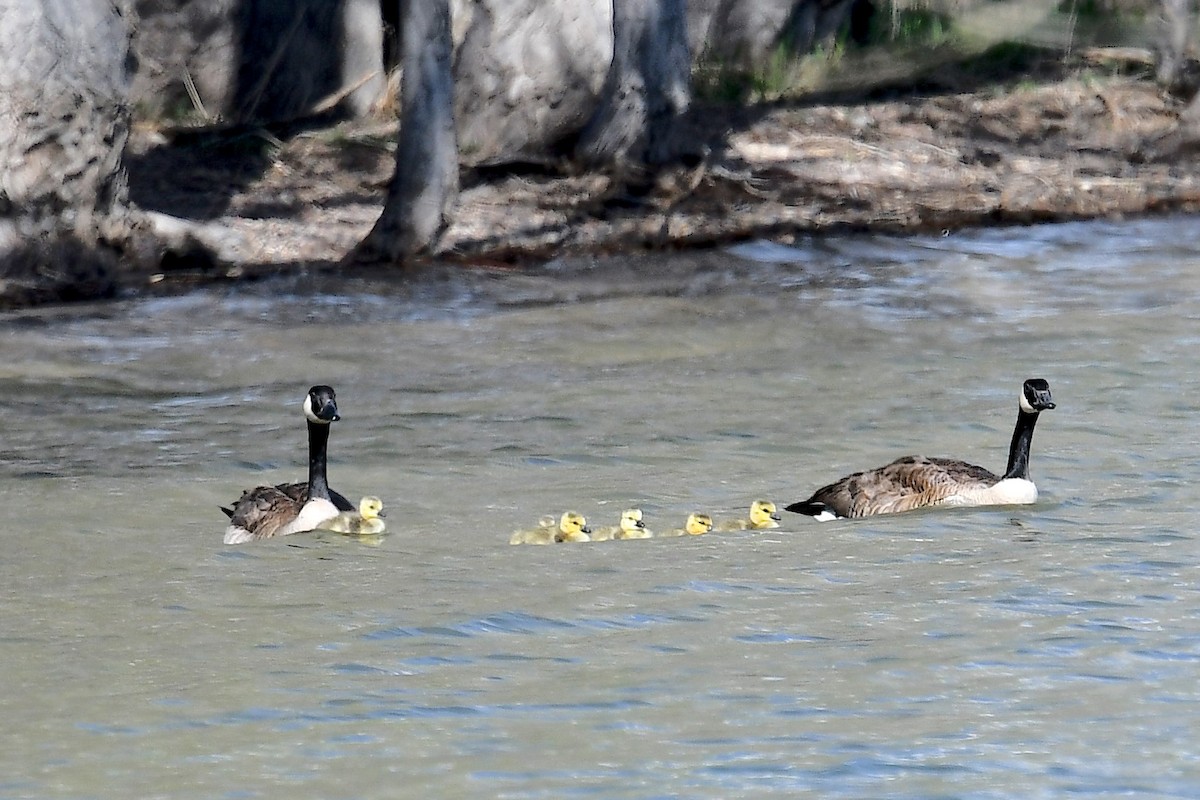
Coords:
1039,651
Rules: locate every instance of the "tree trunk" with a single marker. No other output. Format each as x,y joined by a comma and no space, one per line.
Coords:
1170,51
647,88
64,121
526,74
425,183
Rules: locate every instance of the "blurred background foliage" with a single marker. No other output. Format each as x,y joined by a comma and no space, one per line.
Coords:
888,46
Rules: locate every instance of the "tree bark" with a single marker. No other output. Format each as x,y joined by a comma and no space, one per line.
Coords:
647,88
526,74
1174,33
64,120
424,185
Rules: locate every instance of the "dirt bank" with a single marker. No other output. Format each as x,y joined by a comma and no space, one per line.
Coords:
1067,149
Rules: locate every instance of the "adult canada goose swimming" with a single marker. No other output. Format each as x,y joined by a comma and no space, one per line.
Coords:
571,527
630,527
763,515
696,525
918,482
267,511
365,521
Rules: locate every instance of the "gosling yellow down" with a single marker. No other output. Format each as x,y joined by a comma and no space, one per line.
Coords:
763,515
571,527
631,527
696,525
364,522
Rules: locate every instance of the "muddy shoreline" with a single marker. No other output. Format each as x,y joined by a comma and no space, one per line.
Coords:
1065,149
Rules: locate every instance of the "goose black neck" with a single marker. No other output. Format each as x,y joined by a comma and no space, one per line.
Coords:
1018,451
318,440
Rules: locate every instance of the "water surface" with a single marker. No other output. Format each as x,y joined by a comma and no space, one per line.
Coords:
1039,651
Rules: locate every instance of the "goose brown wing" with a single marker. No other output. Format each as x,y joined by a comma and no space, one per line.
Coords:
918,482
906,483
299,493
899,486
262,511
894,487
963,474
296,491
839,497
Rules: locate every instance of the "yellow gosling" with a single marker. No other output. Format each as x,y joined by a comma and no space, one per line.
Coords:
696,525
631,527
762,516
364,522
571,527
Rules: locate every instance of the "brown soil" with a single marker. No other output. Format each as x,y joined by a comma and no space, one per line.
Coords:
1063,150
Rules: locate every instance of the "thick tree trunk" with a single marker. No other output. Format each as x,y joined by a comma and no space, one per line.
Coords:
64,121
526,73
647,88
425,183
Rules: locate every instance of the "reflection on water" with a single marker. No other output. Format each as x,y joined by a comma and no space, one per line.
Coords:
1019,652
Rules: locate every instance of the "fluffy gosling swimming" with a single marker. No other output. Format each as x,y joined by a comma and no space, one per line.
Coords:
763,516
571,527
696,525
631,527
364,522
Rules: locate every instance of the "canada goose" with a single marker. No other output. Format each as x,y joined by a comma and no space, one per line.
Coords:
267,511
365,521
917,481
763,515
631,527
571,527
696,525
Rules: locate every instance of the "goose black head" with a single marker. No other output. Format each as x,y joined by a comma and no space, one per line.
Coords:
1035,396
320,405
